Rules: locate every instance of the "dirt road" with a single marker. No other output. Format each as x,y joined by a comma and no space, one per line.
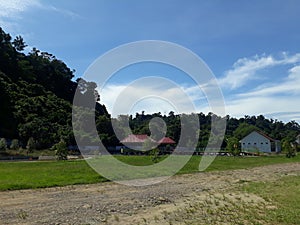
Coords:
168,202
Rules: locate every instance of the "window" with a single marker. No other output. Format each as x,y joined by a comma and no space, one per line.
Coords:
262,143
267,143
249,143
244,143
254,143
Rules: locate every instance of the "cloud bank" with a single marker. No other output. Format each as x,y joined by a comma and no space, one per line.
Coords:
276,97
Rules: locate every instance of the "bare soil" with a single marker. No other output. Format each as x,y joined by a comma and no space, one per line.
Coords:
183,199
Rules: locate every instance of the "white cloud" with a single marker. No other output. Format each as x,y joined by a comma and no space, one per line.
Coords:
246,69
151,98
13,8
288,86
279,99
278,107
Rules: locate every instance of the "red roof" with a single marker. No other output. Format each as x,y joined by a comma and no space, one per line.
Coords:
141,138
166,140
136,138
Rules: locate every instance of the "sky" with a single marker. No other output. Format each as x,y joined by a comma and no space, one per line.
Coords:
251,47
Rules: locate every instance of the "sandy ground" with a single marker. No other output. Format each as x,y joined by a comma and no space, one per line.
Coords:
111,203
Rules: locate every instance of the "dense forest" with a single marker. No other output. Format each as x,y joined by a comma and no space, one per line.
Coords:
36,97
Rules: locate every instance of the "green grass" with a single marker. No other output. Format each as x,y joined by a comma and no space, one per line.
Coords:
233,163
284,194
22,175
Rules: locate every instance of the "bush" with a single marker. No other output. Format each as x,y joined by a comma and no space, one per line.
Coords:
290,150
14,144
154,154
61,150
30,144
233,146
3,144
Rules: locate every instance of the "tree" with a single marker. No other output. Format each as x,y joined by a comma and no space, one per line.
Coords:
31,145
3,145
243,130
233,146
14,144
288,148
19,43
154,154
61,150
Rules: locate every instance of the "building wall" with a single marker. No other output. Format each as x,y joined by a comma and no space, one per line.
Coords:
255,141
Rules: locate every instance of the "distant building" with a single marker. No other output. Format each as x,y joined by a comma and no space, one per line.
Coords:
259,142
136,141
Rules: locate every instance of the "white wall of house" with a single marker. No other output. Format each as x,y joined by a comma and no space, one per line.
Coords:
255,141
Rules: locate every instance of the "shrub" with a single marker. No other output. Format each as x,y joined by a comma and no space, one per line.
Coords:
61,150
3,145
233,146
154,154
30,144
14,144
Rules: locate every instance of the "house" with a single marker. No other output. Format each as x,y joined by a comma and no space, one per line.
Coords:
257,141
136,141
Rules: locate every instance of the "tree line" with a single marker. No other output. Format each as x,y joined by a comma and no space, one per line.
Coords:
36,97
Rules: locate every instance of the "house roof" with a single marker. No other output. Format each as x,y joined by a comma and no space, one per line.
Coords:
141,138
166,140
266,136
262,134
136,138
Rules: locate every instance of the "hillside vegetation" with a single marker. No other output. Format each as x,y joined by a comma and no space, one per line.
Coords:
36,95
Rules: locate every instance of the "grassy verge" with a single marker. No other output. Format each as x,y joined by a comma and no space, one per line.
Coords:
284,195
22,175
255,203
232,163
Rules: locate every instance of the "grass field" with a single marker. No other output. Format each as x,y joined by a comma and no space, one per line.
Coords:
283,194
24,175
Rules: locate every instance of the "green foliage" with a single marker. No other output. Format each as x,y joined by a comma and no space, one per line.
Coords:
19,43
154,154
3,144
61,150
36,95
14,144
244,129
289,148
31,144
233,146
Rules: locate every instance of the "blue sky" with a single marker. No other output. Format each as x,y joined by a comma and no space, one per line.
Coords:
252,47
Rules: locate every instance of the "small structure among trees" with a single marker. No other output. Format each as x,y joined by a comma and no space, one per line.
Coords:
144,143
